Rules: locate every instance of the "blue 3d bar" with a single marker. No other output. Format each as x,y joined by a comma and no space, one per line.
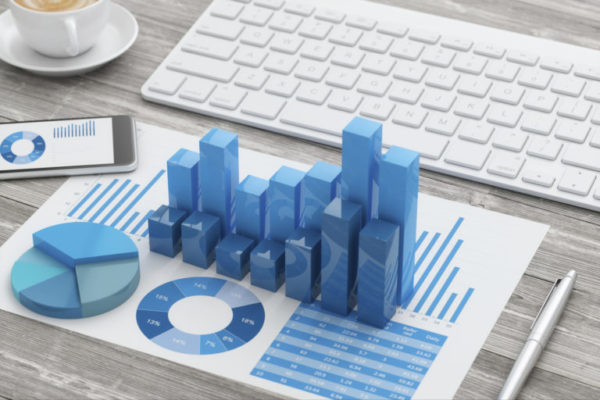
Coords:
200,234
251,216
164,228
285,202
303,265
322,184
183,171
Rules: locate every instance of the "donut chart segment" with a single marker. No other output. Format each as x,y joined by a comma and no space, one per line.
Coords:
6,151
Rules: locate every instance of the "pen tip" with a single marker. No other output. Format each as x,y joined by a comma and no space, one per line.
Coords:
572,274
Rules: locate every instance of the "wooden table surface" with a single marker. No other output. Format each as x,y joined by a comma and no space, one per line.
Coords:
41,361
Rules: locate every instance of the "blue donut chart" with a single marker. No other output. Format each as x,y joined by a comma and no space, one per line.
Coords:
153,316
39,146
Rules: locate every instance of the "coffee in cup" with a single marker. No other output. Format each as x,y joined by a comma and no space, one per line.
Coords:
55,5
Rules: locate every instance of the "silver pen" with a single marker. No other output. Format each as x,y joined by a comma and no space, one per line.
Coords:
541,330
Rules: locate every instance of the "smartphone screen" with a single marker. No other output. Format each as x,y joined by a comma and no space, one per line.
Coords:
56,144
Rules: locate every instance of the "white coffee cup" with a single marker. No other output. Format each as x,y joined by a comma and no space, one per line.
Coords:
61,33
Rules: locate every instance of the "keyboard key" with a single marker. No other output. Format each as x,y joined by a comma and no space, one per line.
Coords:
347,57
572,131
284,43
596,116
522,57
299,8
489,50
392,28
315,29
219,28
441,78
470,64
535,122
285,87
322,119
504,115
380,65
406,93
342,77
251,57
556,65
280,63
595,140
438,57
588,71
375,42
373,85
226,9
361,22
574,109
251,79
272,4
583,157
470,108
263,105
593,92
505,93
407,50
227,97
538,178
468,155
411,72
203,67
412,117
509,139
375,108
540,101
344,101
256,37
257,16
535,78
502,71
166,82
311,71
425,36
444,124
478,132
567,85
327,14
315,94
506,164
472,86
577,181
197,90
544,148
210,47
345,36
285,22
428,145
438,100
456,43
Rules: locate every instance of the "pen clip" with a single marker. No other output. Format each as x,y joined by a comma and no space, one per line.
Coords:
544,304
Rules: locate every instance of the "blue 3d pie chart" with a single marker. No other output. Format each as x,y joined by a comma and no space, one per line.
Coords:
22,147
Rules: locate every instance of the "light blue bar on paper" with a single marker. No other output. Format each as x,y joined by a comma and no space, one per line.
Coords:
129,221
110,200
322,184
447,306
145,233
442,291
251,216
361,155
378,272
461,305
438,275
339,255
97,199
421,239
184,180
138,197
398,196
142,222
303,264
85,199
119,203
285,202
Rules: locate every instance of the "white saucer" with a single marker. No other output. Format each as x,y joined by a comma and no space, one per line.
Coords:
117,37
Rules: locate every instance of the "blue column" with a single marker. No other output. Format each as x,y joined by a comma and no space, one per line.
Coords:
233,256
322,184
184,180
267,265
303,264
285,202
200,233
164,228
399,191
219,176
339,255
251,208
361,154
378,272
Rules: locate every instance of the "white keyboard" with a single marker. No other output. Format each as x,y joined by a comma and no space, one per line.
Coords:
492,106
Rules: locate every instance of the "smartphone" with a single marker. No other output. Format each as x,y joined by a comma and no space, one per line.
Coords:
67,147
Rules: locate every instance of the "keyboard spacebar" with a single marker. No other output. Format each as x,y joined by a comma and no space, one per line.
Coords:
316,118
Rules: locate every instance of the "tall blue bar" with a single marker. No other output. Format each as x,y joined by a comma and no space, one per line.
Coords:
200,234
303,265
361,155
399,191
184,180
339,255
251,216
164,226
285,202
219,176
378,272
322,184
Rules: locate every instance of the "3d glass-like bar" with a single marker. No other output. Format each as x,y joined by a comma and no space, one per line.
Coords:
183,171
251,208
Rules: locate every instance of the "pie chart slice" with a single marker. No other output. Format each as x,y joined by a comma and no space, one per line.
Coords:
47,285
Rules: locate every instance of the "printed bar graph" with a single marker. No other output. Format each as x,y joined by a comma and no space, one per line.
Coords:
461,305
251,208
322,184
442,291
98,198
85,199
129,221
87,128
184,180
142,222
285,202
138,197
447,306
119,204
110,200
